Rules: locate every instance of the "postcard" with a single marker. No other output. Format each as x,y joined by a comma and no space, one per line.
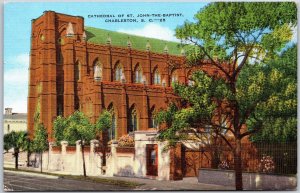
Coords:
151,96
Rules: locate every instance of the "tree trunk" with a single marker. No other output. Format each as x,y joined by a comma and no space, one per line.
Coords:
41,154
16,159
104,145
238,165
83,160
28,158
103,158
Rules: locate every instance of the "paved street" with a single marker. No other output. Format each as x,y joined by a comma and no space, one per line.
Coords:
21,181
35,182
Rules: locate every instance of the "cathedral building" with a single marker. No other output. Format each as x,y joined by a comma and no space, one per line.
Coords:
74,67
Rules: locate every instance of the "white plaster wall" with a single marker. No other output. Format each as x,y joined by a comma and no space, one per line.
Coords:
54,161
142,138
109,166
163,162
94,166
122,164
125,165
14,125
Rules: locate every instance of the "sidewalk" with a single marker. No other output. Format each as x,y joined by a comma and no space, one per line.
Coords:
188,183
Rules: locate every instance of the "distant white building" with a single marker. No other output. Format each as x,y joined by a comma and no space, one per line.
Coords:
14,121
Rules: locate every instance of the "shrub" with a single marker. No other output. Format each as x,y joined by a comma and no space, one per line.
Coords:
266,164
223,165
126,141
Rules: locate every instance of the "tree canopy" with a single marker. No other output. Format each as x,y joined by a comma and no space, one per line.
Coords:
78,128
279,112
40,140
59,126
104,121
15,139
233,32
18,141
239,39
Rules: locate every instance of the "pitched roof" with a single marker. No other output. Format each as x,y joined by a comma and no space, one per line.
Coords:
16,116
99,36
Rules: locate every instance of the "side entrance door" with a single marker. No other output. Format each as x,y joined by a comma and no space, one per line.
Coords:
152,161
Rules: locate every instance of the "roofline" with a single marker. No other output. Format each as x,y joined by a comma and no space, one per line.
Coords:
32,20
134,35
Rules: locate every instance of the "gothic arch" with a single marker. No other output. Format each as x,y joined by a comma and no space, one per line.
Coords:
152,121
133,119
61,34
156,76
174,76
118,72
97,69
138,74
112,132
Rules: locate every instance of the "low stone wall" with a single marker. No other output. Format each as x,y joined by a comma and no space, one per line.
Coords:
120,161
251,181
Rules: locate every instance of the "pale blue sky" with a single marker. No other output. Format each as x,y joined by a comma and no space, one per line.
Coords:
17,28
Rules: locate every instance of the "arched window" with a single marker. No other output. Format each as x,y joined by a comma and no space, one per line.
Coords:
118,73
138,74
97,71
133,120
174,76
152,121
156,77
112,131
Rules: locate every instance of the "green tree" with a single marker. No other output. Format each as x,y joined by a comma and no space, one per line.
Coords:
59,126
103,124
17,141
28,147
237,39
40,141
280,111
79,128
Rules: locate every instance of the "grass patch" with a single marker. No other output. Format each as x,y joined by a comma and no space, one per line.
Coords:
105,181
88,178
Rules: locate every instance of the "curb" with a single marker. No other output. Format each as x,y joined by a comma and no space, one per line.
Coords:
31,174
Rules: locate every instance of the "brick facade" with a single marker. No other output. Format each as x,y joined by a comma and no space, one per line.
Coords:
62,76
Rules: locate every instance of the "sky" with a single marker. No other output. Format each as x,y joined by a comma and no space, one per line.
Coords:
17,29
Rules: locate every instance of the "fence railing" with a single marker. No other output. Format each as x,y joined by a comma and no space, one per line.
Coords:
273,158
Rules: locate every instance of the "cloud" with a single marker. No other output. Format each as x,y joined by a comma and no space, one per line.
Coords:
16,82
18,106
16,77
21,60
152,30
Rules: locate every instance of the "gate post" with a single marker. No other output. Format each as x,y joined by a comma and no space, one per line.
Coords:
64,145
93,157
50,167
114,145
